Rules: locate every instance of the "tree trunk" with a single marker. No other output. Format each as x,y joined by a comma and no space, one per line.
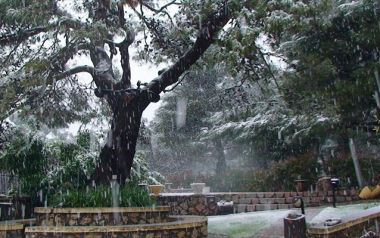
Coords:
221,159
127,104
116,157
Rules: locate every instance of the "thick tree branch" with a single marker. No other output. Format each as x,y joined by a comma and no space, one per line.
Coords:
125,81
206,37
75,70
103,73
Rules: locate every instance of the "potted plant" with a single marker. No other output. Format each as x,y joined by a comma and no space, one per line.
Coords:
156,189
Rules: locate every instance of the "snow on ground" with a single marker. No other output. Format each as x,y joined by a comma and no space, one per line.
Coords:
341,211
253,223
244,224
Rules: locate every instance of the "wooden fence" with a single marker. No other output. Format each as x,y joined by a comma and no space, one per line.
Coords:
4,182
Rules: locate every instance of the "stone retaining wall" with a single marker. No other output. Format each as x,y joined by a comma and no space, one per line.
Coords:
206,204
189,204
12,230
100,216
353,225
188,227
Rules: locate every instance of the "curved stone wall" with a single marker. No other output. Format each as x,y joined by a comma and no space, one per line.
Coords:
114,222
100,216
180,227
11,230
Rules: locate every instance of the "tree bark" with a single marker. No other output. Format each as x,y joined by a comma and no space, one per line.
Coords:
116,157
221,165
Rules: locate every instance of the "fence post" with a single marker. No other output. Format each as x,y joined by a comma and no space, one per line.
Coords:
295,226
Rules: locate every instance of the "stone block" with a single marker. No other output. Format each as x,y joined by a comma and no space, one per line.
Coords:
235,198
279,200
279,194
261,207
251,195
241,208
264,201
260,195
255,200
293,194
283,206
245,201
269,194
289,200
251,208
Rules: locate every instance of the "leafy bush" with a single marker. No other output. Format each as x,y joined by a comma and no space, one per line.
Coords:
344,169
130,195
141,172
42,167
25,158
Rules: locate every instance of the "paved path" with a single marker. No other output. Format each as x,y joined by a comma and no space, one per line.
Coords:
276,229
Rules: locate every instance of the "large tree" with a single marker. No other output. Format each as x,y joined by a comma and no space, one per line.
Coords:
38,39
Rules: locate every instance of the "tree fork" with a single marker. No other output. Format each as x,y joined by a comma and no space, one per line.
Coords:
127,105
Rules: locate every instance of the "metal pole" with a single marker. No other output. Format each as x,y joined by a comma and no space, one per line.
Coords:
334,199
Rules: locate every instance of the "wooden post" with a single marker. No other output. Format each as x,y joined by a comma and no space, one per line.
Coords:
295,226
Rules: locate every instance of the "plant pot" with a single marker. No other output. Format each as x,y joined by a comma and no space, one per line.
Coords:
197,187
156,189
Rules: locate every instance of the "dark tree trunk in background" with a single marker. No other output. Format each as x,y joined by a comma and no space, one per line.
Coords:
221,165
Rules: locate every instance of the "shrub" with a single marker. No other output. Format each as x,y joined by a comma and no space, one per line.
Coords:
130,195
344,169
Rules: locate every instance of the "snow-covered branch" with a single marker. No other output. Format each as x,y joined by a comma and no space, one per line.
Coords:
207,35
23,34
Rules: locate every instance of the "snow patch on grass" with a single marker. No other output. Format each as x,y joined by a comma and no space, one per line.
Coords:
244,224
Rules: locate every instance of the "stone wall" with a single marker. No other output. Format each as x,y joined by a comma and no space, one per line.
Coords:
100,216
206,204
189,204
353,225
189,227
11,230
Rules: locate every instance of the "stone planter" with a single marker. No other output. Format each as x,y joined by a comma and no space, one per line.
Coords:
102,223
197,187
156,189
102,216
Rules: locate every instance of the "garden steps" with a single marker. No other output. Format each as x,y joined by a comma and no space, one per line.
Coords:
262,201
206,204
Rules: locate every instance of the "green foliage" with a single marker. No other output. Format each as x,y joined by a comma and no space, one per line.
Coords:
141,173
344,169
131,195
25,157
41,166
